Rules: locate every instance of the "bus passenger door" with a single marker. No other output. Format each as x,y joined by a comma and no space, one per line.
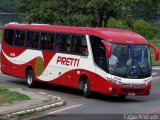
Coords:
100,60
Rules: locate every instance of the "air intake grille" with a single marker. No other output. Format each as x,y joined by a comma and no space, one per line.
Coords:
131,90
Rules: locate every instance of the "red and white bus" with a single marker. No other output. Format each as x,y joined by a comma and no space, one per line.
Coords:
103,60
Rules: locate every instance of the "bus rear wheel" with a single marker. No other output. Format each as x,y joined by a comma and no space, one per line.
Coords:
30,79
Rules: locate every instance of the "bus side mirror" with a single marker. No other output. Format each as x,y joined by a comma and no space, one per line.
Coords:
156,51
107,48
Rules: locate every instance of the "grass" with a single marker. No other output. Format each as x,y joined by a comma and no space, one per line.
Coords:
155,42
7,96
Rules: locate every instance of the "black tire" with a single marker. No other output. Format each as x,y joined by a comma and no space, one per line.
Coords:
86,88
122,97
30,79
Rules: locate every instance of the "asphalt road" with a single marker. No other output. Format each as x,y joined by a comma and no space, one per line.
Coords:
98,107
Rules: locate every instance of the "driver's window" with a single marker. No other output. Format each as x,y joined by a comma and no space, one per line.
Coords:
99,54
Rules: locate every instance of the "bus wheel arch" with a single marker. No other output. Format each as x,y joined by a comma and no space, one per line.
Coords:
28,68
29,75
84,85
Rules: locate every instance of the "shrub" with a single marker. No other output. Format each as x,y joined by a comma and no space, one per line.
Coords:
145,29
156,33
156,24
113,23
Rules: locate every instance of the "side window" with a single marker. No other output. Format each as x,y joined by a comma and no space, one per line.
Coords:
9,36
57,42
98,50
75,44
50,41
29,39
76,41
20,38
63,43
32,39
84,48
36,36
46,41
79,45
43,41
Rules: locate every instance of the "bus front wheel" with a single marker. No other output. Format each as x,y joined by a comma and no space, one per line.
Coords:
86,90
84,86
30,79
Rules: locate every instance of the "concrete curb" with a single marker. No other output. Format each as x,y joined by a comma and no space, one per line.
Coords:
33,110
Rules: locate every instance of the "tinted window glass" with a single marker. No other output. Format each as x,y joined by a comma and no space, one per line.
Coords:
57,42
98,50
50,43
76,41
32,39
20,38
63,43
46,41
29,39
75,44
9,36
79,45
35,40
84,48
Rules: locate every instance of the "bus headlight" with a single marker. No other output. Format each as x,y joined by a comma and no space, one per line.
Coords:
114,81
148,83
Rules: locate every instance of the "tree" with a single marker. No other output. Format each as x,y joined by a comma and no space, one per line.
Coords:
84,12
70,12
7,5
144,9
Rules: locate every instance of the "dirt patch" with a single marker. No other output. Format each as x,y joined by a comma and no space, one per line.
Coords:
2,99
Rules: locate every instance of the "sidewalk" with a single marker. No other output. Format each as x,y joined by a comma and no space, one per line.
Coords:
38,102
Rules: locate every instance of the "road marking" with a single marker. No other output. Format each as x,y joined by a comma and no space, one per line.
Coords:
154,73
60,110
154,111
35,117
42,93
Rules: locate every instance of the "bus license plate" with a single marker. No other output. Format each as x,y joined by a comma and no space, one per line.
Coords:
131,94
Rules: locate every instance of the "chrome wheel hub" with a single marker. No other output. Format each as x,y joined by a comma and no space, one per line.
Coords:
30,79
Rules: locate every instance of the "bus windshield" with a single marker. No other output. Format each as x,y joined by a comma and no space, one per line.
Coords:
130,61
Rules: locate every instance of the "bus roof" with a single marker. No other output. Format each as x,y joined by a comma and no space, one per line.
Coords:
109,34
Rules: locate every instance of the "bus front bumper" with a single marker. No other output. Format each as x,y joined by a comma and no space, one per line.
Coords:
130,90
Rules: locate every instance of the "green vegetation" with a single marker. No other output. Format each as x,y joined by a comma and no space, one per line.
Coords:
1,35
7,96
86,13
7,5
113,23
8,18
157,44
143,28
